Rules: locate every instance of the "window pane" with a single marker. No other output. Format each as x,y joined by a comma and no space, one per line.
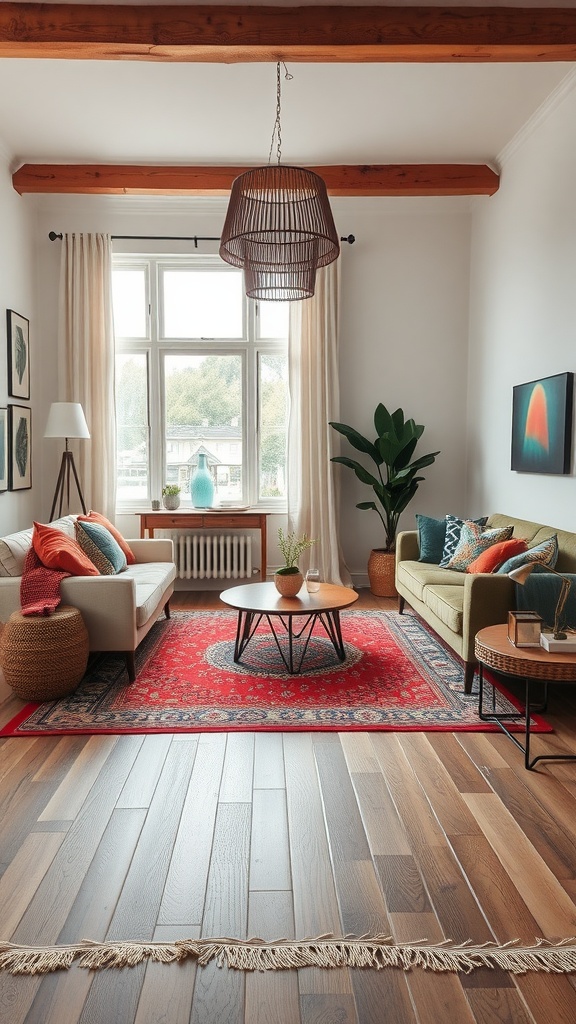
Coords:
202,304
274,318
203,403
273,389
129,301
132,426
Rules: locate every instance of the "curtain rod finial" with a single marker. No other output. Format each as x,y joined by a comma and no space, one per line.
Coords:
52,235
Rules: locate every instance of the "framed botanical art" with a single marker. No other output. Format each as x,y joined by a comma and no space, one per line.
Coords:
19,447
18,332
3,449
542,424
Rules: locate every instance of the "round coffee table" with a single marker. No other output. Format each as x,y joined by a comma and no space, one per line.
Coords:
257,601
494,650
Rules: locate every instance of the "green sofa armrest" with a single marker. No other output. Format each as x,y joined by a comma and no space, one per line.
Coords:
487,600
407,546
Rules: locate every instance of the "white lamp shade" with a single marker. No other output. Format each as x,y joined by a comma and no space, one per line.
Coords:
66,419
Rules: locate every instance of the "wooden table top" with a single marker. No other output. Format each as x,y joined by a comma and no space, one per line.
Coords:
263,597
493,648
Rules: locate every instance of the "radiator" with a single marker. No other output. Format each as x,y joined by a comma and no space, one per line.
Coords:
200,556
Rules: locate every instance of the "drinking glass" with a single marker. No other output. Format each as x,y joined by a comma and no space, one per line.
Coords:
313,581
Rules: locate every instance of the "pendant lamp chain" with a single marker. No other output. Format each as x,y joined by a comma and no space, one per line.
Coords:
277,130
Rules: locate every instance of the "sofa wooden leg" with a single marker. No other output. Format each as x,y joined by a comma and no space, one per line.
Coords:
131,665
401,603
469,672
167,608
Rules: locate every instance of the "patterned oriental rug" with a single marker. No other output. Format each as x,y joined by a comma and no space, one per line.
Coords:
397,676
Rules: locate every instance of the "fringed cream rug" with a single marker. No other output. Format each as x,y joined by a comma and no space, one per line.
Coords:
325,951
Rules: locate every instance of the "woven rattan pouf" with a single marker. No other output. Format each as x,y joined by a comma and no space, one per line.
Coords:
44,656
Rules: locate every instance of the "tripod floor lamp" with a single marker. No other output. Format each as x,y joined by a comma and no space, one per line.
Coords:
66,419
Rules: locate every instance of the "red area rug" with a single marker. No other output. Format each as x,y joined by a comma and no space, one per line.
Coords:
397,675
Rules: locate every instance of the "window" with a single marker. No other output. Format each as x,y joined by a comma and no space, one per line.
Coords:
199,369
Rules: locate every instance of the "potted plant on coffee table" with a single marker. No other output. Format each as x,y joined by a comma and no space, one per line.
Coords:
289,579
394,482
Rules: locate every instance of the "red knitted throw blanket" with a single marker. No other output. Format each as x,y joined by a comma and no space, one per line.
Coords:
39,586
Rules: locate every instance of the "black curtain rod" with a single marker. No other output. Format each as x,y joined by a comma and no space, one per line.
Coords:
53,235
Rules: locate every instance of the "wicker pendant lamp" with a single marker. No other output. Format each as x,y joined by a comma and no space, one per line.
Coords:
279,227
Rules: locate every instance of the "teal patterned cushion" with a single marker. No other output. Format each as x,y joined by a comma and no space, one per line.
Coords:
453,530
473,542
102,549
546,553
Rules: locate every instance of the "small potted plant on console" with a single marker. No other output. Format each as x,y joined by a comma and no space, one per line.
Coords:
171,496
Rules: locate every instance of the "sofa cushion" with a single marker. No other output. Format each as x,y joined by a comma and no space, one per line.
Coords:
151,579
496,554
15,547
415,576
453,530
546,553
58,551
473,541
431,538
447,603
98,543
97,517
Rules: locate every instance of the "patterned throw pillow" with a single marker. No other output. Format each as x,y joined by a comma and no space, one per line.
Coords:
97,517
473,542
453,530
546,553
100,546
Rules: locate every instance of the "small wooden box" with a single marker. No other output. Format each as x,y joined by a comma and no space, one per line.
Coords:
524,629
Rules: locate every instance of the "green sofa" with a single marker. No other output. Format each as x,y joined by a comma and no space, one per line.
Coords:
455,604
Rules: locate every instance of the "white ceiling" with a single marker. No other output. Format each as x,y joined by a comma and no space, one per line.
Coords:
137,112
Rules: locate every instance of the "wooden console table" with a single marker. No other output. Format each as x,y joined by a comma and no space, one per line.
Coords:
221,520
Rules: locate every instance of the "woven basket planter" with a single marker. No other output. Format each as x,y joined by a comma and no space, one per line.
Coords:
288,586
381,573
44,656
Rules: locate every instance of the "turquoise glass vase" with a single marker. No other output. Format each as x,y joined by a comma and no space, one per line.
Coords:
201,485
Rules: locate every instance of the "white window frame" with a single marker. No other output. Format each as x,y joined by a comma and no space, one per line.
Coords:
249,346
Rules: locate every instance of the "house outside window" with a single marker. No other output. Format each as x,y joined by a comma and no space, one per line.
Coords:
200,369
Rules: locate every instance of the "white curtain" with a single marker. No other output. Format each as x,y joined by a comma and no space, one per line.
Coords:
314,401
87,360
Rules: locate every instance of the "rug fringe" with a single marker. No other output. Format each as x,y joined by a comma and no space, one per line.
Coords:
326,951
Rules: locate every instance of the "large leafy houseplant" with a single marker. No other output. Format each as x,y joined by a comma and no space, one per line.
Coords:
396,479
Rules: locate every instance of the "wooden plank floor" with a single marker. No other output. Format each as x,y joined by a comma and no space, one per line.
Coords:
437,835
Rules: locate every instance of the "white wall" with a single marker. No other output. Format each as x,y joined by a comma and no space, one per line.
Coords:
404,342
17,293
523,312
403,330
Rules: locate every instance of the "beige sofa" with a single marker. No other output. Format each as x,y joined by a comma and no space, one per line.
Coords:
118,610
456,605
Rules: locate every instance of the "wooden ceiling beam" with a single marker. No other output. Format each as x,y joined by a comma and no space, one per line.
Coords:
341,180
231,34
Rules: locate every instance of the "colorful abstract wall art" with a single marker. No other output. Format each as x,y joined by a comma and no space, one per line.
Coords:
542,425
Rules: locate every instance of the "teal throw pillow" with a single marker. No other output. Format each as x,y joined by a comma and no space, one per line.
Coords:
102,549
431,537
545,553
473,541
453,530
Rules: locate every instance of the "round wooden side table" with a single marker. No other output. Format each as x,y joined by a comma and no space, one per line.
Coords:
44,657
494,650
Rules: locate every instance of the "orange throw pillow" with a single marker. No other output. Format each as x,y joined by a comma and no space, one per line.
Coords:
97,517
497,554
57,550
